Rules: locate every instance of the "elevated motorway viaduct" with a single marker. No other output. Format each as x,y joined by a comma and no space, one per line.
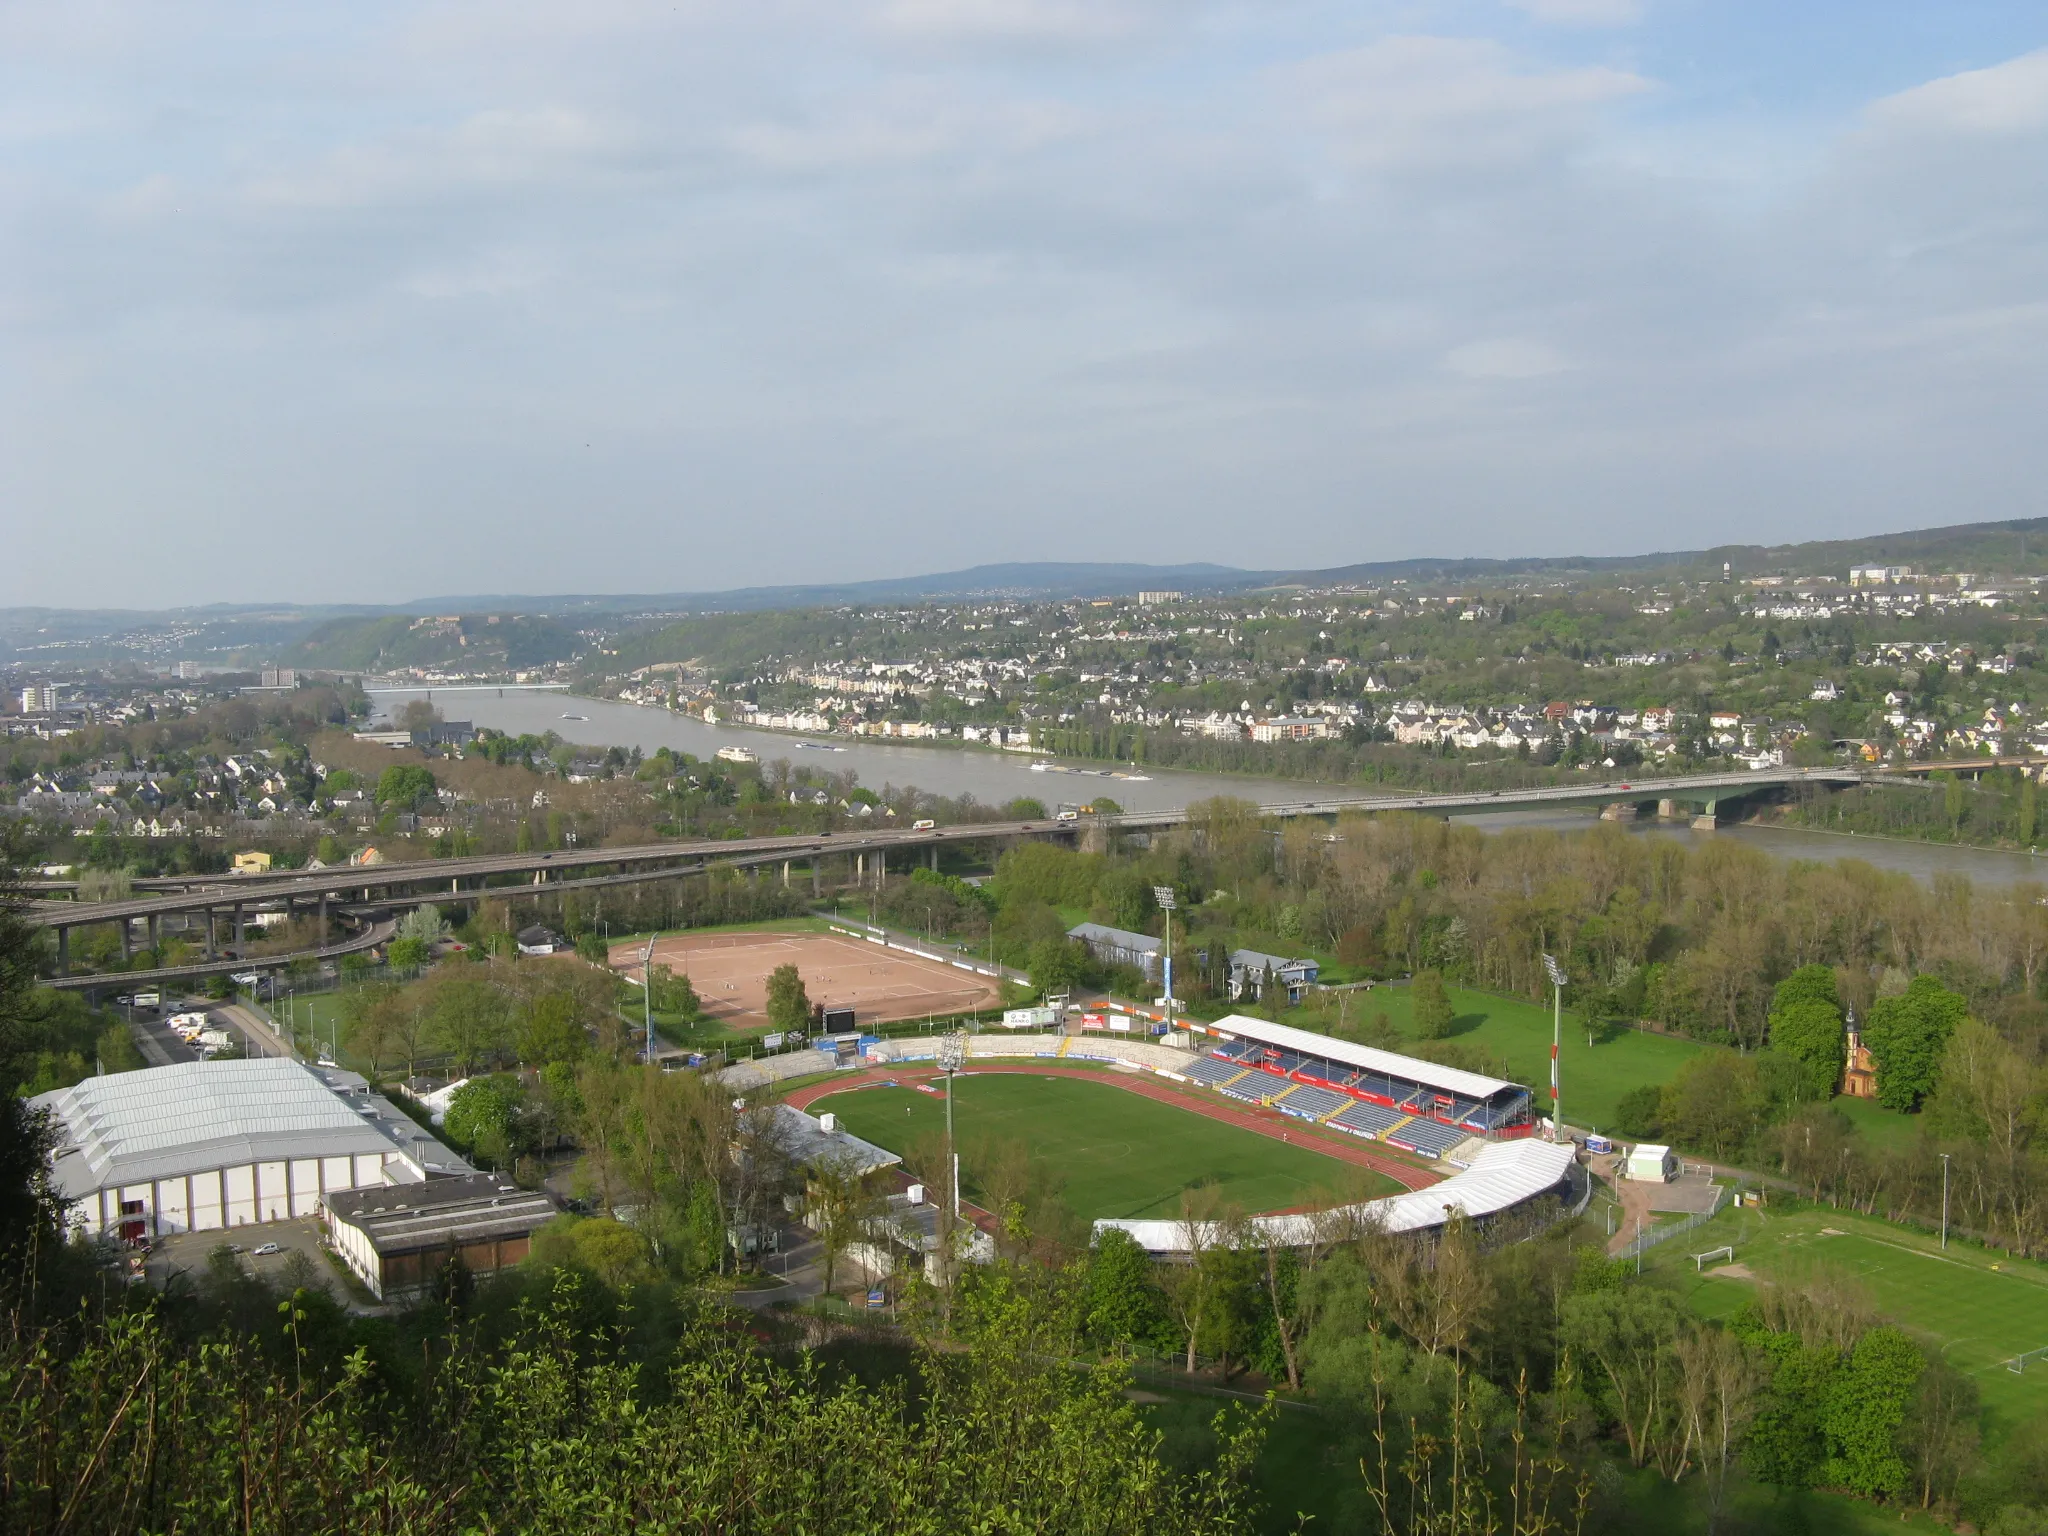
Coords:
461,880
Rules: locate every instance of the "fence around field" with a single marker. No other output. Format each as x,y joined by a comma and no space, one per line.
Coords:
1652,1236
1112,1049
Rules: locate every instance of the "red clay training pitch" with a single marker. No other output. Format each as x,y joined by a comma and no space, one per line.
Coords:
730,972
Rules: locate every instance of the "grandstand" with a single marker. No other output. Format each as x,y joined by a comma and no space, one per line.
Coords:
1409,1102
1505,1175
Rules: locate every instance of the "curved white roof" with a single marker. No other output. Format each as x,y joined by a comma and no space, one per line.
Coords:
163,1122
1473,1085
1501,1177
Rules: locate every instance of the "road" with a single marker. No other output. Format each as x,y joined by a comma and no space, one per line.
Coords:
450,874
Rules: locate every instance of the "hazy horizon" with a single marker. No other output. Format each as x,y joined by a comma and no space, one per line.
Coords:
352,306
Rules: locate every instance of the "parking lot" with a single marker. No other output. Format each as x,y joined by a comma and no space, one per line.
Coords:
189,1253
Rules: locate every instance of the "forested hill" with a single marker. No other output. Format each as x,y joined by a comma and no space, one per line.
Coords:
476,642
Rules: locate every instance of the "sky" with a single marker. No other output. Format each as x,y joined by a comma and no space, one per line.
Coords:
368,302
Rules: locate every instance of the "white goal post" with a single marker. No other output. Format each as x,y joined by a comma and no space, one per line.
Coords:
1699,1260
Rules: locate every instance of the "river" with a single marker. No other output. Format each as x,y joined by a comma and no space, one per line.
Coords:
997,777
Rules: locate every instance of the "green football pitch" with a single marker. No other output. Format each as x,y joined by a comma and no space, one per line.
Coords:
1980,1309
1117,1154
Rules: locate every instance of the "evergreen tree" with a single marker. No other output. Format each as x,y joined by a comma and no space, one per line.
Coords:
1433,1011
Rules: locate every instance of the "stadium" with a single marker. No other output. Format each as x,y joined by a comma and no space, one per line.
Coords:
1295,1129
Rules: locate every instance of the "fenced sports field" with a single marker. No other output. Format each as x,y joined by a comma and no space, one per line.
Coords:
1983,1310
730,972
1117,1153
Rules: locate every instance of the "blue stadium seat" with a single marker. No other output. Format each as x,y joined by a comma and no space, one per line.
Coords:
1310,1103
1210,1070
1429,1137
1371,1119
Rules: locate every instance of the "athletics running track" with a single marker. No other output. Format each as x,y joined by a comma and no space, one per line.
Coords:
1266,1122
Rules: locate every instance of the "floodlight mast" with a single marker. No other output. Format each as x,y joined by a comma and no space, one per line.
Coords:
952,1057
647,995
1558,982
1163,894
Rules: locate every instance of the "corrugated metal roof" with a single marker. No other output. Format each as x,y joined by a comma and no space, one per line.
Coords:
163,1122
1474,1085
1500,1178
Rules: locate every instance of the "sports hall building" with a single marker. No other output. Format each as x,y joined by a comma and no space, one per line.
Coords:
207,1145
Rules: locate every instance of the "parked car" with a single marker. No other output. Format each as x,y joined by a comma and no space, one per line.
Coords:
265,1250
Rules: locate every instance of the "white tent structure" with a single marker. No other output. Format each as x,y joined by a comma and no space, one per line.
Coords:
1503,1176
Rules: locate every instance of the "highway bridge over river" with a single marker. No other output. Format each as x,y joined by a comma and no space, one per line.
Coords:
364,890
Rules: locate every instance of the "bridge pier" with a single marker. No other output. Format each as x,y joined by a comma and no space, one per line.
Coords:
1669,810
817,878
1708,818
63,951
155,947
1620,810
785,874
211,954
935,858
127,939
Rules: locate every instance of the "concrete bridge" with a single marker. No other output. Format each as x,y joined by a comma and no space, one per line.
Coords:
868,852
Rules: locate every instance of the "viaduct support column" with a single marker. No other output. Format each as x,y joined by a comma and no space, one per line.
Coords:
63,951
238,930
155,947
785,874
1708,817
817,879
1667,810
211,953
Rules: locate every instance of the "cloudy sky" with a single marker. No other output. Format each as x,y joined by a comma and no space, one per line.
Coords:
379,300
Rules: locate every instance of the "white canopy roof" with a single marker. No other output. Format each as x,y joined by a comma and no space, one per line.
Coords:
1501,1177
1473,1085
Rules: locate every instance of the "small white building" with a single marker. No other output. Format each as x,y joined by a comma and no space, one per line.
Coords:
1651,1164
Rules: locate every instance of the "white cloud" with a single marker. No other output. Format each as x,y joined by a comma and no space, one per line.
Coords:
2006,98
1506,357
1029,21
1438,100
900,124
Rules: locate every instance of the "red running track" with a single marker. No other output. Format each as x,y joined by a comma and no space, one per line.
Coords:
1262,1122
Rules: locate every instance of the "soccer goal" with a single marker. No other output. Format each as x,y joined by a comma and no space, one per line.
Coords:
2018,1363
1725,1251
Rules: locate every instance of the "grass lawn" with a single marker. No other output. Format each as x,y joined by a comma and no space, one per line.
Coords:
1119,1154
1881,1127
1515,1037
1979,1308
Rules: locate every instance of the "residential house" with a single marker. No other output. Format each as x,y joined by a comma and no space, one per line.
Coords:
1252,971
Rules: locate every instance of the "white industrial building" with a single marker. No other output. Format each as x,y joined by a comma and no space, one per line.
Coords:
206,1145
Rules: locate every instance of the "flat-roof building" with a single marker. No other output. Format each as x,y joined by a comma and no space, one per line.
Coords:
206,1145
397,1238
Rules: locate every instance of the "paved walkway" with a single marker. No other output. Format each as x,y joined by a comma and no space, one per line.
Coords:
1263,1122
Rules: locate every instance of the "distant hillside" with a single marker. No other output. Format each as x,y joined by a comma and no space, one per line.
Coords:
475,641
1048,579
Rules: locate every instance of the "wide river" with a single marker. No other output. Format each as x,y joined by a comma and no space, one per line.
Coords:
996,777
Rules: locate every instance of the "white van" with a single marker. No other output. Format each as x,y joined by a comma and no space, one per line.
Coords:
926,825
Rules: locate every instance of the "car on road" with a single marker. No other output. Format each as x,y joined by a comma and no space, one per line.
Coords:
265,1250
923,826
